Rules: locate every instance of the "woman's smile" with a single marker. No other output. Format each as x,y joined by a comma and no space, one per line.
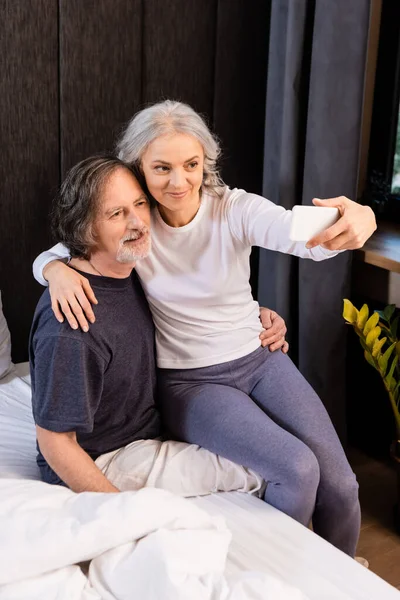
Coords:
178,195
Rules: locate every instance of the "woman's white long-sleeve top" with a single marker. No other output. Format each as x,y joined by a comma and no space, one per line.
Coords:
196,277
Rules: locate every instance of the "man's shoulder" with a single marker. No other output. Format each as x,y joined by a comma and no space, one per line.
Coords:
44,316
46,327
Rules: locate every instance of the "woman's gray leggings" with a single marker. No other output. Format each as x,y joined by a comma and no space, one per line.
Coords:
260,412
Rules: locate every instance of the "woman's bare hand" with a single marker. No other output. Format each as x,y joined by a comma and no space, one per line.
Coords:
71,295
273,334
356,224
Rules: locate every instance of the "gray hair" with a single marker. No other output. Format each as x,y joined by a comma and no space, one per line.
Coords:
78,201
170,117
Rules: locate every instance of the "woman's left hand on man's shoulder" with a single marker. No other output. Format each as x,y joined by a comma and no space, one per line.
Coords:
356,224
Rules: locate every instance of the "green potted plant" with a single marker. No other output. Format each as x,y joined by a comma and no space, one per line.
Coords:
378,337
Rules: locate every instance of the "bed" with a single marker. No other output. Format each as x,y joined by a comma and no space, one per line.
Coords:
264,539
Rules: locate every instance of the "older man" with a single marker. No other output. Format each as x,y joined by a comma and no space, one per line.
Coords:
93,394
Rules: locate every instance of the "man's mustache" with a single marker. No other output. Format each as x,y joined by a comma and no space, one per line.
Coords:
136,234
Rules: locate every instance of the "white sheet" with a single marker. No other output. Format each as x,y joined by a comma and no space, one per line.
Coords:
17,431
148,544
263,538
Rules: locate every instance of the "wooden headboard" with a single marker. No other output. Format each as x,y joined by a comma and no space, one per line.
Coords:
73,76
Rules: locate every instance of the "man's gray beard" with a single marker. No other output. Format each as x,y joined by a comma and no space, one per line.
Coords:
127,255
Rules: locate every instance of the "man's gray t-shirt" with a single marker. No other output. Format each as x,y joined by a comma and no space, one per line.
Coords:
100,384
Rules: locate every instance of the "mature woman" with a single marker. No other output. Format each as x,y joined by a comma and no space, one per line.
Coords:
220,388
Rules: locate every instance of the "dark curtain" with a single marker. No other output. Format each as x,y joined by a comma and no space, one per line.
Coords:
315,88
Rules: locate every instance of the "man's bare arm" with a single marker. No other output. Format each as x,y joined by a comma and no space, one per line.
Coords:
71,463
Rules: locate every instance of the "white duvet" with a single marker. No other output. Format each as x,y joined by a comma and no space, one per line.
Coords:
139,545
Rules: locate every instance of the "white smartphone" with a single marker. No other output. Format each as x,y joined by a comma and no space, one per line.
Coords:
308,221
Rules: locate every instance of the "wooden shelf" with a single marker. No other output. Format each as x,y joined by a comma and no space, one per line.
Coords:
383,248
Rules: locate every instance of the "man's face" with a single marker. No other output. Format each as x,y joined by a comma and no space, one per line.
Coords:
122,227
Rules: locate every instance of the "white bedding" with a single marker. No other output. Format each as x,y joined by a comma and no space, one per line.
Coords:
148,544
17,433
264,539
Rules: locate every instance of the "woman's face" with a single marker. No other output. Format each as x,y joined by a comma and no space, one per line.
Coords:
173,169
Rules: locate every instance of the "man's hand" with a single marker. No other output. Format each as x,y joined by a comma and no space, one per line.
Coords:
71,463
356,224
273,334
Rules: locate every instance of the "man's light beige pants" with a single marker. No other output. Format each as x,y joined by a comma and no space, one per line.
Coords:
184,469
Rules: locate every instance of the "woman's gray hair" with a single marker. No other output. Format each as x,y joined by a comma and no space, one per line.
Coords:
170,117
78,202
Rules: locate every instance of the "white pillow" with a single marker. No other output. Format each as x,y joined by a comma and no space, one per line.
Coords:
5,344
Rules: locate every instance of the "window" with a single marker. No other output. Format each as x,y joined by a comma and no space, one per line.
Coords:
384,148
396,161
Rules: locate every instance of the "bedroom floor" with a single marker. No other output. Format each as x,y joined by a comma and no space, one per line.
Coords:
379,543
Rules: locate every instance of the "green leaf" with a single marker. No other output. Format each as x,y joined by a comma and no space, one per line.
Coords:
391,383
376,350
371,323
389,376
350,313
369,359
396,391
398,348
372,336
388,312
394,326
384,327
383,360
363,344
362,316
381,314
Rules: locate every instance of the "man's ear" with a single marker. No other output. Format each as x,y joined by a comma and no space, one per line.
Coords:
93,239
